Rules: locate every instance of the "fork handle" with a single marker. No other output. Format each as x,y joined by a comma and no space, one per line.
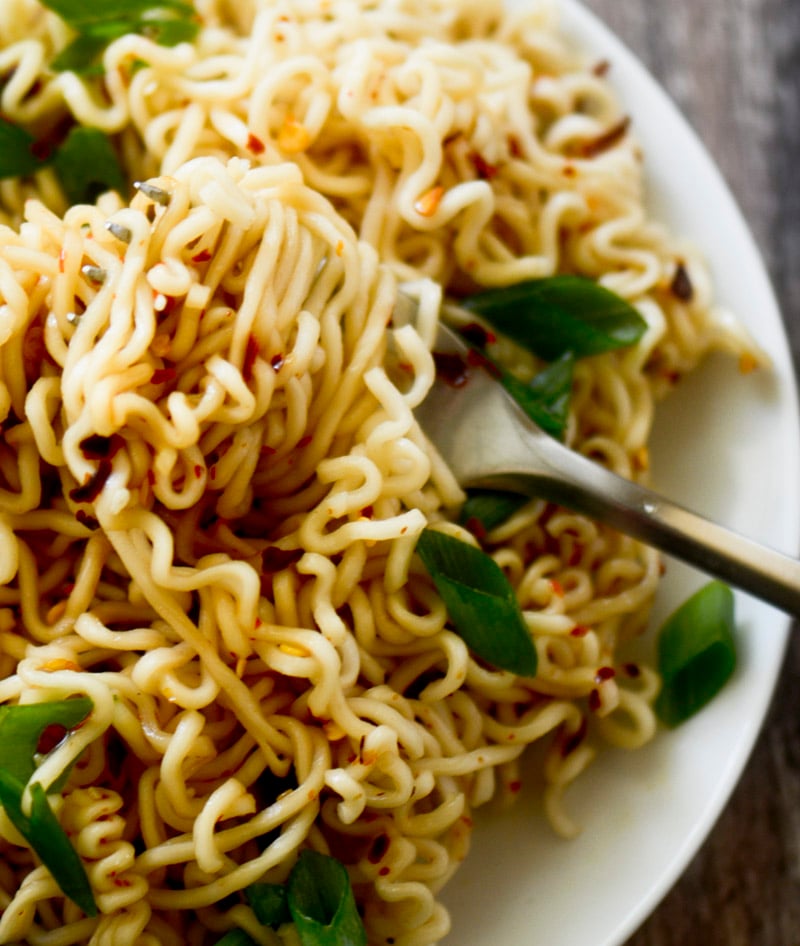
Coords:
572,480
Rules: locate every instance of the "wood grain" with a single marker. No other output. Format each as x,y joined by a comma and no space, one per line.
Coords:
733,67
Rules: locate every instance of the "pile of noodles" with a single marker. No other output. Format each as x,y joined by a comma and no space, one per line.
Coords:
211,481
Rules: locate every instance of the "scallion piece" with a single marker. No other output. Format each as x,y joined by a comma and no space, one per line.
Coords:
560,314
21,728
18,157
322,904
696,653
485,509
236,938
87,165
480,602
269,903
98,22
545,399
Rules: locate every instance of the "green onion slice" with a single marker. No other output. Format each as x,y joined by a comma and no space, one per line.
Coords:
485,509
322,904
269,903
236,938
696,653
18,157
98,22
560,314
87,165
545,399
21,728
480,602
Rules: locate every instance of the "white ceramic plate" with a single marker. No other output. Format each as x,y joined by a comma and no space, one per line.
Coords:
725,445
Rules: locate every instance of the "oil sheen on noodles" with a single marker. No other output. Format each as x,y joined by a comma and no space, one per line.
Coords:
235,587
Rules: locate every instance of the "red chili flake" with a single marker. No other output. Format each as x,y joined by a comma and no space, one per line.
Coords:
514,146
51,736
61,257
558,588
198,470
89,491
304,441
601,68
96,447
250,354
267,451
86,520
575,555
41,149
607,140
569,170
477,335
478,360
579,631
451,368
594,701
163,375
681,286
367,512
277,362
274,559
632,670
212,472
476,527
202,257
483,168
378,848
515,786
603,674
384,871
254,144
572,740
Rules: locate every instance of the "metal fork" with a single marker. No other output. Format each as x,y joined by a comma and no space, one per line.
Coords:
489,442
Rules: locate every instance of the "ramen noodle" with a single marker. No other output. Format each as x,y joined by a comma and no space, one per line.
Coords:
213,482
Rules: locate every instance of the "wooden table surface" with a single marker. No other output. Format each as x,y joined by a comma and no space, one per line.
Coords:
733,67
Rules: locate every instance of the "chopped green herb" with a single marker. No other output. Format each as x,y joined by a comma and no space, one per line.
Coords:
696,653
98,22
18,151
85,161
545,399
560,314
322,904
480,602
21,729
485,509
81,55
236,938
87,165
269,903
